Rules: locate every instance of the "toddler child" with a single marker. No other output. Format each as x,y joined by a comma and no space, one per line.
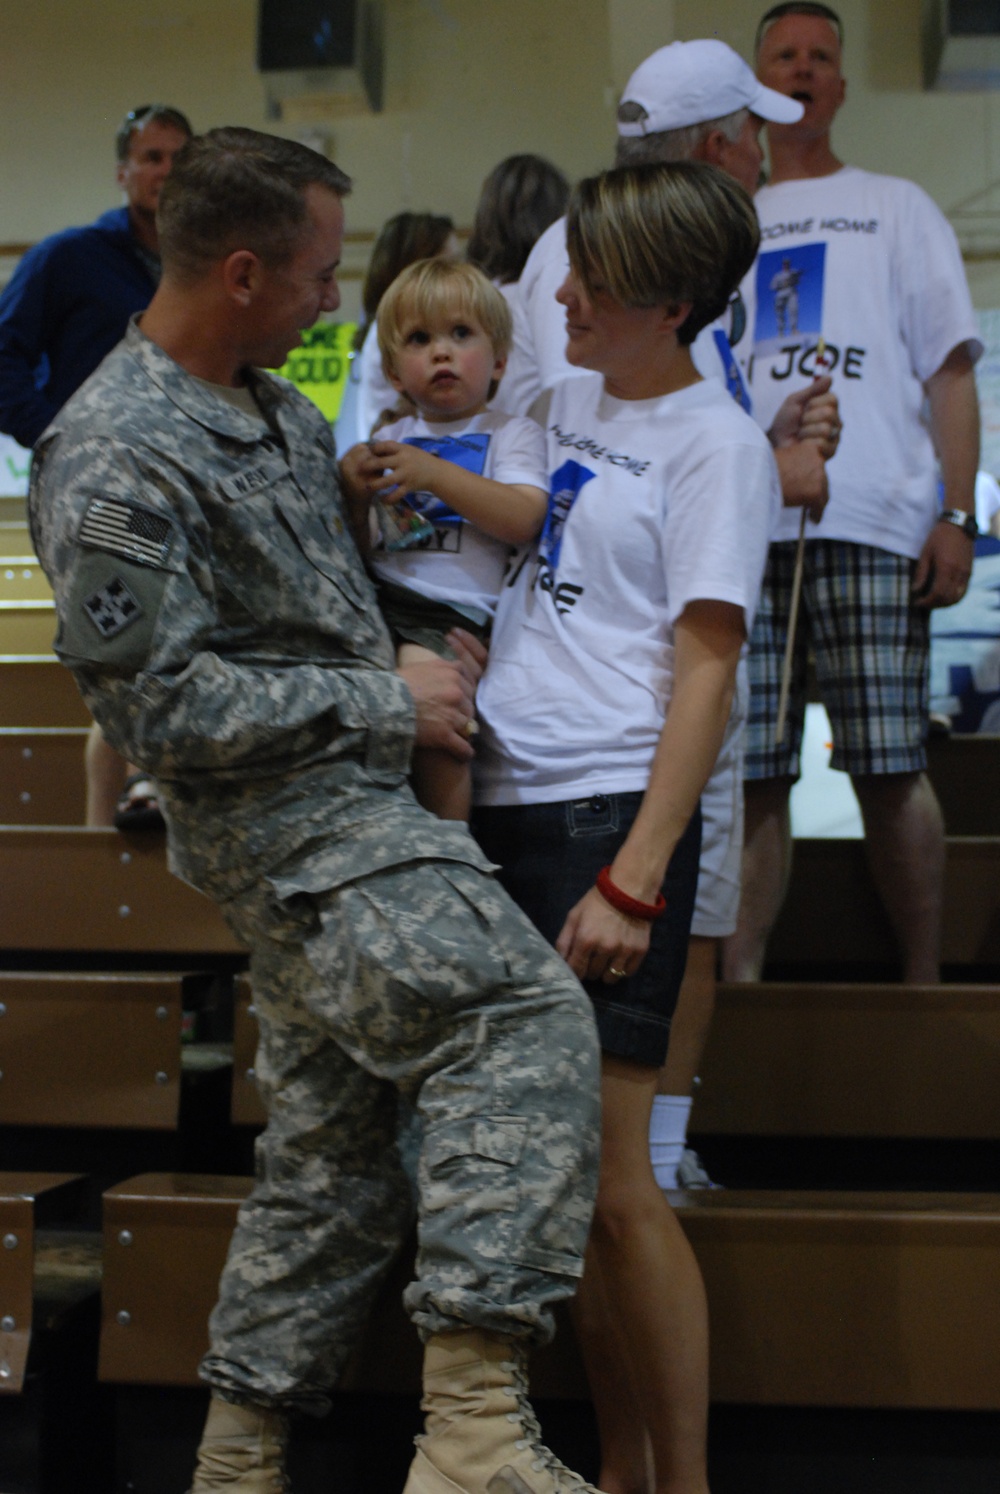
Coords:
458,484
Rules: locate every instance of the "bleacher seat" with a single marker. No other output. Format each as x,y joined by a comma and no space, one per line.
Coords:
799,1058
823,1299
41,775
27,1201
832,916
97,890
90,1049
36,690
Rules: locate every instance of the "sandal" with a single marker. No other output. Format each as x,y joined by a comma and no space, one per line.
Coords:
138,807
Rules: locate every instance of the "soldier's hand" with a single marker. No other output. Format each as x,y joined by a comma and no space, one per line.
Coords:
356,495
471,654
351,467
443,697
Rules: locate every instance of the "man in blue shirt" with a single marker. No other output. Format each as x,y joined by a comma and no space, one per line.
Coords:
71,296
67,305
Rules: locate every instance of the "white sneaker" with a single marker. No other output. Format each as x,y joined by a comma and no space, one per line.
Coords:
690,1172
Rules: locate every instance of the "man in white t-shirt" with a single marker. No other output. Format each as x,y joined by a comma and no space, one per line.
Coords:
881,283
699,101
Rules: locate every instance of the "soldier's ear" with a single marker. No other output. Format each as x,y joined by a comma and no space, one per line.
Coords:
241,274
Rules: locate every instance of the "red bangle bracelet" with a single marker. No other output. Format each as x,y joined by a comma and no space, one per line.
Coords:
623,903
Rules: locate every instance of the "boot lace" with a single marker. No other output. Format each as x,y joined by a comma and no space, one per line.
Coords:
544,1459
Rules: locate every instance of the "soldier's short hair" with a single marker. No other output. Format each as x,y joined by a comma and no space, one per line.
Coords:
660,235
236,188
138,119
434,288
670,145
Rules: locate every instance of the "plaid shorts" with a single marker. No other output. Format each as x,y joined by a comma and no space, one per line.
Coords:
871,651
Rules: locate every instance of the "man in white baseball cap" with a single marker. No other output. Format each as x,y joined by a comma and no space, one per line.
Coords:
698,82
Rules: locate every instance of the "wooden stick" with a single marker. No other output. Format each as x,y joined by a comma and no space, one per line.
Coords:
793,618
793,611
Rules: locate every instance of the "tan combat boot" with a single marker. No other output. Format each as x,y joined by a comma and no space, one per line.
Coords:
242,1448
482,1436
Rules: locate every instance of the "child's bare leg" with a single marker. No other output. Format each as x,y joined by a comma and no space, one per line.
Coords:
441,783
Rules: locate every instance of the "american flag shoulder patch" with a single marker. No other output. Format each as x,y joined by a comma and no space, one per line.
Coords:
123,529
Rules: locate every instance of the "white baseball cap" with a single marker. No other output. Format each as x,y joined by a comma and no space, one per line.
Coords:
688,82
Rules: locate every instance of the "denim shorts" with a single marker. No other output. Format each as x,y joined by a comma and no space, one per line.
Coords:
549,856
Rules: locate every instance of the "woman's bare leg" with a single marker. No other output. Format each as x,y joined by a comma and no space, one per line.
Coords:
645,1304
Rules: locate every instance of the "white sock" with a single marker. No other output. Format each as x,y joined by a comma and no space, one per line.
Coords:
668,1125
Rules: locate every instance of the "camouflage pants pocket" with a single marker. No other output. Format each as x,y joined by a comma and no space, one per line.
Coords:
473,1159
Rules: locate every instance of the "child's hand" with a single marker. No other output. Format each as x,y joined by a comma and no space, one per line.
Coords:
398,469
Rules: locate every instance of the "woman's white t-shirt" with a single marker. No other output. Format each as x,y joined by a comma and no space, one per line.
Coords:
652,504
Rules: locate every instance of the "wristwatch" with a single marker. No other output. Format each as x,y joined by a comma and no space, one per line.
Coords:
961,520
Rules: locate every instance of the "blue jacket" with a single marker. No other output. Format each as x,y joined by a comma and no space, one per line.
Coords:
67,304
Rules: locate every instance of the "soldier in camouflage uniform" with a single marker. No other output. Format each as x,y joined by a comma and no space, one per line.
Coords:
215,614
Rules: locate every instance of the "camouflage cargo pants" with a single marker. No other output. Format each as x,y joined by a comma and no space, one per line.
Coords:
423,980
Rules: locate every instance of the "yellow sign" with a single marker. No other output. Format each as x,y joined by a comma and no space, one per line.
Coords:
321,365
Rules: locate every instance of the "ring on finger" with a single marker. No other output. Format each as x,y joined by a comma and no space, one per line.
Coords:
618,974
471,728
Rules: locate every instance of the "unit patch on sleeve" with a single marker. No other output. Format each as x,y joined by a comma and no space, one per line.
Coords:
113,608
122,529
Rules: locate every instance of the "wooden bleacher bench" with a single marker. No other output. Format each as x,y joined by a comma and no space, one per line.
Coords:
13,509
812,1059
27,611
42,779
165,1242
27,627
36,690
850,1299
87,1050
816,1299
15,531
832,914
27,1201
965,772
21,576
98,890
